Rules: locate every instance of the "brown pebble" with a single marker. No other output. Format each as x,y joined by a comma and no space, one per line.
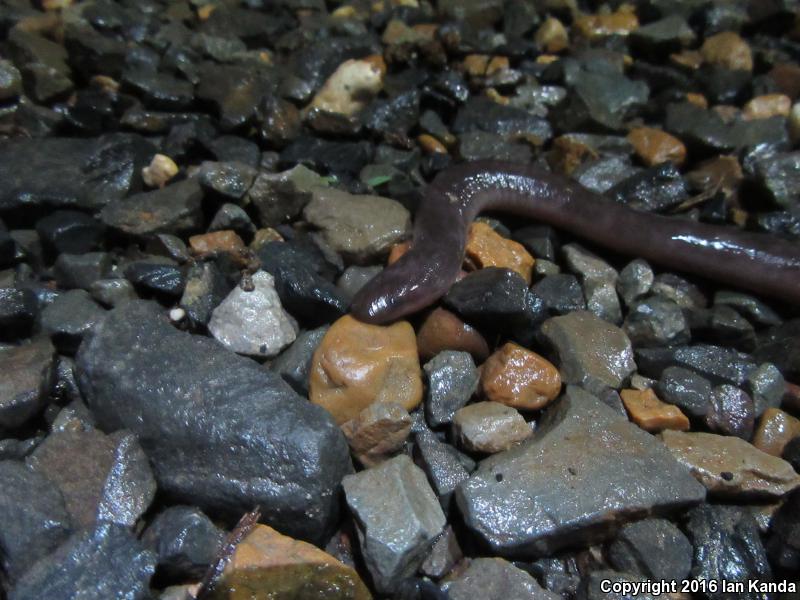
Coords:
729,50
475,64
265,236
357,364
430,144
722,173
688,59
791,399
497,64
787,79
654,146
517,377
768,105
552,36
442,330
593,27
225,241
379,432
486,248
651,414
569,153
697,99
776,428
489,427
397,251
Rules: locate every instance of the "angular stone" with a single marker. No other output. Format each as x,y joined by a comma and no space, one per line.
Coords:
294,363
731,467
775,429
70,231
496,579
452,379
378,432
650,413
685,389
27,376
161,279
653,548
489,427
81,270
732,412
584,451
487,248
397,518
442,464
281,197
561,293
656,321
69,318
137,371
599,281
444,555
519,378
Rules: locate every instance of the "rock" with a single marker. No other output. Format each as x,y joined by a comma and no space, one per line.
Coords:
656,321
442,330
357,365
561,293
486,248
727,50
70,231
102,477
253,322
442,464
654,146
581,450
776,175
715,363
233,217
33,519
81,270
635,281
226,180
281,197
653,548
161,279
766,106
775,429
205,288
136,360
591,352
599,281
102,562
656,189
361,228
354,278
727,547
217,242
27,377
685,389
234,91
10,81
294,363
791,453
552,36
540,240
782,545
378,432
351,86
452,379
69,318
397,519
185,541
337,157
444,555
175,208
19,310
266,562
485,145
663,37
489,427
160,170
752,308
732,412
730,467
519,378
651,414
778,345
601,25
496,579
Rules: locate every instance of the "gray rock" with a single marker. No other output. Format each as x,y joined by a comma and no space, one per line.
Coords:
102,477
27,376
590,352
652,548
608,468
354,278
635,280
489,427
496,579
599,281
112,292
294,363
220,431
70,231
604,173
99,563
592,586
685,389
397,518
444,555
228,180
601,99
253,322
716,363
767,387
81,270
656,321
281,197
175,208
659,38
561,293
230,217
69,318
778,175
206,287
732,412
10,81
452,379
441,463
752,308
33,519
361,228
681,292
73,417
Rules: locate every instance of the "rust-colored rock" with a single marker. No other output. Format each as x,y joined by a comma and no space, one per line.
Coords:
729,50
430,144
442,330
265,236
216,242
768,105
489,427
517,377
552,36
487,248
497,64
688,59
654,146
593,27
397,251
722,173
697,99
775,429
379,432
268,565
569,153
651,414
357,364
787,79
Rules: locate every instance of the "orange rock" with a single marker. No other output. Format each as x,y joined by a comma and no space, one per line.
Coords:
768,105
776,428
430,144
397,251
650,413
654,146
442,330
727,50
487,248
697,99
475,64
267,564
552,37
592,27
379,431
520,378
497,64
357,364
569,153
216,241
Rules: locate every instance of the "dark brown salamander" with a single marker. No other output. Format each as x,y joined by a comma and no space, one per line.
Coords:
758,262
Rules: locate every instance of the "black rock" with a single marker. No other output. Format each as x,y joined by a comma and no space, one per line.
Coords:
155,278
347,158
19,309
718,364
560,293
777,175
702,130
304,293
394,116
539,240
452,379
653,190
70,231
205,288
33,519
81,270
685,389
137,371
185,541
234,92
102,562
158,90
10,81
234,218
727,545
652,548
27,376
8,247
480,145
482,114
781,346
791,453
721,85
227,180
69,318
749,306
235,149
660,38
732,412
294,363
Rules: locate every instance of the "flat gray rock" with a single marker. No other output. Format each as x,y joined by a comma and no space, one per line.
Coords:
27,374
585,471
222,432
496,579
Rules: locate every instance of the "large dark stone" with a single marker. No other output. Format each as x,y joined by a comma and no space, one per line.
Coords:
221,431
